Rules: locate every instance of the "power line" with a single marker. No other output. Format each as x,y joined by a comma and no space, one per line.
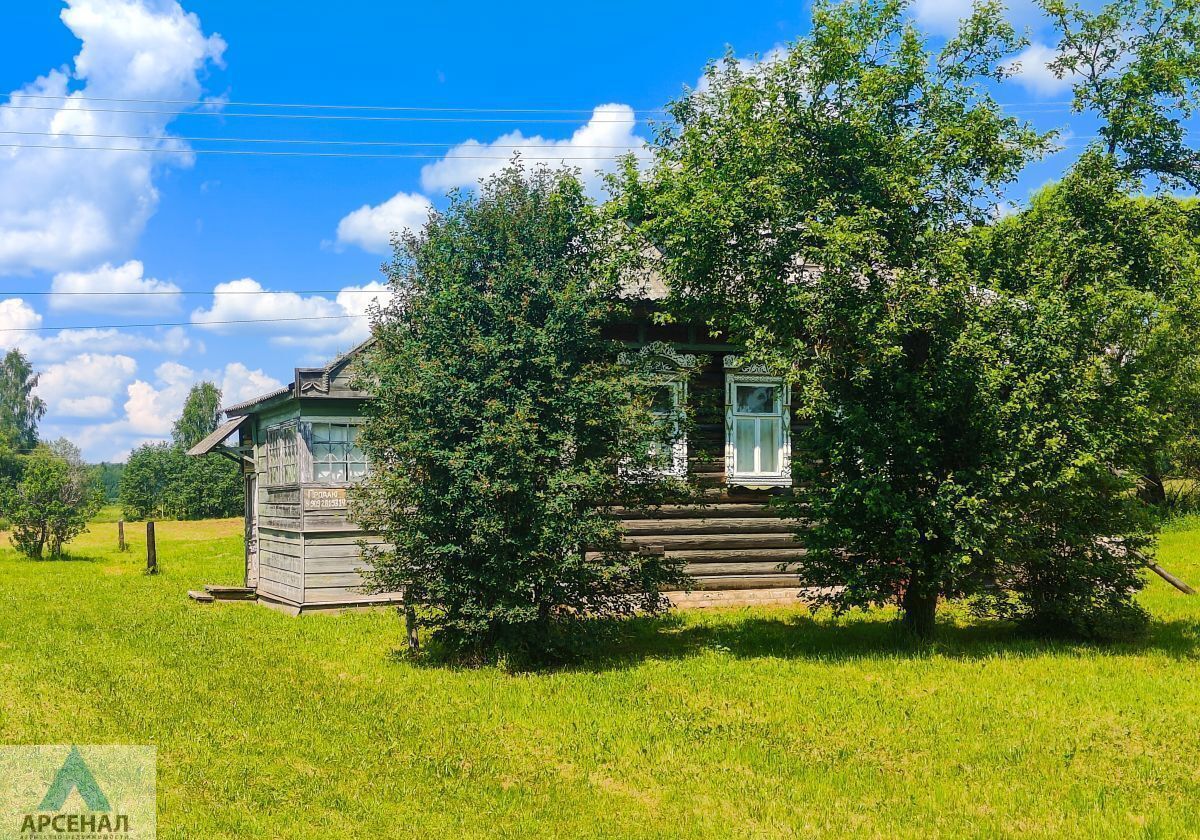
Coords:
304,141
260,153
328,107
339,117
209,292
184,323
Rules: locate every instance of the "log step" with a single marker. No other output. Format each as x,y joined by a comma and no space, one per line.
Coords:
719,525
230,593
202,597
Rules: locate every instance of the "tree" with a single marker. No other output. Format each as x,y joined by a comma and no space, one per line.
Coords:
161,479
20,410
1128,268
504,429
1136,65
200,416
812,207
53,501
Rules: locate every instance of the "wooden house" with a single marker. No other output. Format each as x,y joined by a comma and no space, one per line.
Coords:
299,453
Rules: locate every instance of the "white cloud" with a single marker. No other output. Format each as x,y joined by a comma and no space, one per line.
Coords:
610,132
239,383
152,405
63,208
1030,70
292,319
76,290
19,323
85,386
371,228
942,17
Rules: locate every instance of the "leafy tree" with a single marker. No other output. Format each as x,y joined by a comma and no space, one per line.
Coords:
53,501
200,416
1128,269
20,409
504,428
861,153
160,479
1136,65
110,480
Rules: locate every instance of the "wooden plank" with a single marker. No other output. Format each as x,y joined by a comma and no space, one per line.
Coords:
279,576
318,551
737,569
340,564
699,542
342,595
282,590
720,525
745,582
732,509
746,555
332,579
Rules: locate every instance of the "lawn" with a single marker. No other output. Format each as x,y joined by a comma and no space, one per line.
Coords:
747,723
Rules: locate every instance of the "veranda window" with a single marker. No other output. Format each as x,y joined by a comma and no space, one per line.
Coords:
281,454
337,457
670,452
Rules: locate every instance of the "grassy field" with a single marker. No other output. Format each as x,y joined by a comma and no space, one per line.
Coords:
747,723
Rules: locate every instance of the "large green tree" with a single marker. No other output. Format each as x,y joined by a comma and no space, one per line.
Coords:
53,501
160,479
504,429
1135,65
20,408
816,206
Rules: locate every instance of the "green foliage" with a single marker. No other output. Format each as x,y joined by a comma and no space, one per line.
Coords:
20,410
200,416
1136,65
53,500
162,480
110,480
860,152
504,428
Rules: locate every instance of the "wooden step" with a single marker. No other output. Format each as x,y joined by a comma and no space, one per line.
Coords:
202,597
705,542
720,525
758,567
230,593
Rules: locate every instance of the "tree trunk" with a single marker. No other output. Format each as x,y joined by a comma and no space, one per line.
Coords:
410,626
918,612
1153,487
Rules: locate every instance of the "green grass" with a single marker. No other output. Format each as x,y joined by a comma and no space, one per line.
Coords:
742,723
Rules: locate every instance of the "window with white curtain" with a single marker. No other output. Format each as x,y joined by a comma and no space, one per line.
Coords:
757,437
281,454
336,456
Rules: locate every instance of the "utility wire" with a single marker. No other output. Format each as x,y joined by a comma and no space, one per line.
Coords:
261,153
184,323
331,107
339,117
305,141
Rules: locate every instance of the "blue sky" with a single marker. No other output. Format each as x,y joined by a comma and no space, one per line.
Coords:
201,230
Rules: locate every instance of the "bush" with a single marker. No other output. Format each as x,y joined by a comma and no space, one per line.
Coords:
504,428
53,501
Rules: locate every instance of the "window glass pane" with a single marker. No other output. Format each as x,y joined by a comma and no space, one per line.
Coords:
744,445
768,438
357,471
664,399
756,399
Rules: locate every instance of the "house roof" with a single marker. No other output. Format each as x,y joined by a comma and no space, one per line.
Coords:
307,382
218,436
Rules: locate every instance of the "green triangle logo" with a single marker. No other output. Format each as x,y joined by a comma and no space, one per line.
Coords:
74,775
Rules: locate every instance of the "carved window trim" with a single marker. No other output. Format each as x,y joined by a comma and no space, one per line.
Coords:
737,372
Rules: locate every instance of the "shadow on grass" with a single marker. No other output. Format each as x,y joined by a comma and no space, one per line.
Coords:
616,644
602,645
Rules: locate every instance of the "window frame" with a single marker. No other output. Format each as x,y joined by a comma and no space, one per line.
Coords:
276,441
349,447
756,376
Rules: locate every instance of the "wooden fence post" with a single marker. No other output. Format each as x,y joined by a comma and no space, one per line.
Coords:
151,553
121,546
